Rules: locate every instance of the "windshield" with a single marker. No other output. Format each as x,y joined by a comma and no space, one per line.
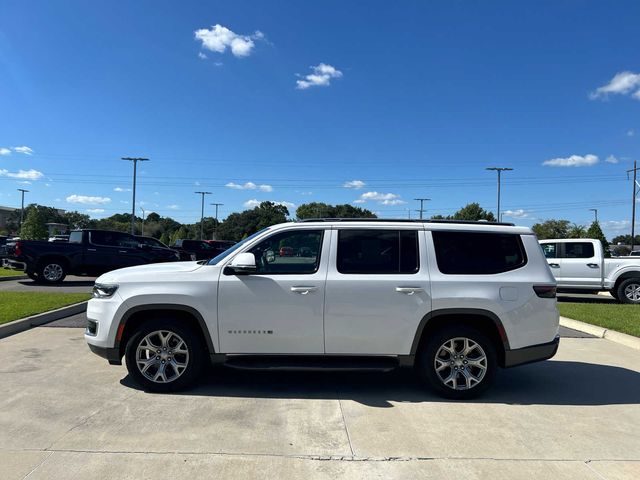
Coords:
215,260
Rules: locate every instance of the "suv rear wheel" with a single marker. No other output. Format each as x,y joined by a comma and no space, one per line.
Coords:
458,362
51,271
629,291
164,356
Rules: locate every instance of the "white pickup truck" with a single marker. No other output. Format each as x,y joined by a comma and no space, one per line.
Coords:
579,264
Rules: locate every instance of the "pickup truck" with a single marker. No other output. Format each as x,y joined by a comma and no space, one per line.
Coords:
200,249
88,252
579,265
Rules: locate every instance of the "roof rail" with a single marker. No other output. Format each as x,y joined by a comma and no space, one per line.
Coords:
406,220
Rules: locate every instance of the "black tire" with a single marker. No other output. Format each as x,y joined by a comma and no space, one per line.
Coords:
51,271
426,362
614,294
194,360
621,291
33,276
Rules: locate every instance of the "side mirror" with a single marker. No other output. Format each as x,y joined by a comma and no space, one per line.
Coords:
243,263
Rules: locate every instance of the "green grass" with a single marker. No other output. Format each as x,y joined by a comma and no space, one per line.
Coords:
15,305
5,272
621,318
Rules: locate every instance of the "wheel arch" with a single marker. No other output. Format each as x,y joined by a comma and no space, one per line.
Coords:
625,276
484,320
135,316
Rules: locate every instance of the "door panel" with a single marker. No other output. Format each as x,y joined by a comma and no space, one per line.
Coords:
580,267
274,311
374,313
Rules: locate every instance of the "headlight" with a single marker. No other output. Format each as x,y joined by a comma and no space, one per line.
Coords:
104,291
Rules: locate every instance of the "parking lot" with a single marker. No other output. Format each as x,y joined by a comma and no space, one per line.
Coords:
72,284
66,413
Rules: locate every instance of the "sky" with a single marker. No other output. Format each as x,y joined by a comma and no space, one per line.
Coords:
364,102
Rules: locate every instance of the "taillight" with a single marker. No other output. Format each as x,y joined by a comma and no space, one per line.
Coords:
17,251
545,291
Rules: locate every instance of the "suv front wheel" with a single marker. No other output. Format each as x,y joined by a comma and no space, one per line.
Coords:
458,362
164,356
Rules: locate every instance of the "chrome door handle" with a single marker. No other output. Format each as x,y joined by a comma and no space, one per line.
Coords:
303,290
554,265
409,290
122,251
91,249
593,265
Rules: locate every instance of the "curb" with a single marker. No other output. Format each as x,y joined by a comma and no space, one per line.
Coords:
621,338
16,277
23,324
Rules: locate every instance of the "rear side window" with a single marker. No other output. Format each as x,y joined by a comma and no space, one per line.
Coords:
75,237
378,251
578,250
550,250
472,253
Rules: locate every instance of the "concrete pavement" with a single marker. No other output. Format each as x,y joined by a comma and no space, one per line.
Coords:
65,413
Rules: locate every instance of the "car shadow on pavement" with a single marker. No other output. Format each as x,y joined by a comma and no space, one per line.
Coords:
586,299
71,283
546,383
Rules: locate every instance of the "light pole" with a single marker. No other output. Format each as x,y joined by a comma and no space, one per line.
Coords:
499,170
22,207
216,224
135,161
142,229
202,212
595,210
421,200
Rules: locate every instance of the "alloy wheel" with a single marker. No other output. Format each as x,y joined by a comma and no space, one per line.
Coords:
632,292
52,272
162,356
460,363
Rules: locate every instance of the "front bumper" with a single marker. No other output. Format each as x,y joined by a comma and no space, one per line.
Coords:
534,353
111,354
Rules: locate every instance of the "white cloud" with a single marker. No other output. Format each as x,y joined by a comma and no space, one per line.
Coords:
255,202
616,225
120,189
611,159
5,151
622,83
202,56
631,133
572,161
95,210
381,198
219,38
88,200
249,186
320,77
393,202
25,182
22,174
24,150
173,207
354,184
519,213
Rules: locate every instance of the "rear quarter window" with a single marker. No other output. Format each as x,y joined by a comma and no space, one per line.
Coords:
474,253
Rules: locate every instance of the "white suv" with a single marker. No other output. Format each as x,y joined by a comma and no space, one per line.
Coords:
453,299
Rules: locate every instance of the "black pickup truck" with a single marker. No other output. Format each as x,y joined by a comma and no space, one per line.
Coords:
88,252
200,249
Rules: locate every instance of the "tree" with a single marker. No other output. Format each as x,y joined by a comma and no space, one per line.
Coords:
470,212
551,229
34,228
625,240
323,210
77,220
240,225
596,232
577,231
473,212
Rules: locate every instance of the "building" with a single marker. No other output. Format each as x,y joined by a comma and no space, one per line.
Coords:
5,212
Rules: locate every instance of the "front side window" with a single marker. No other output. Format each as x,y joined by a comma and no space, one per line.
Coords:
113,239
377,251
293,252
550,250
578,250
472,253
